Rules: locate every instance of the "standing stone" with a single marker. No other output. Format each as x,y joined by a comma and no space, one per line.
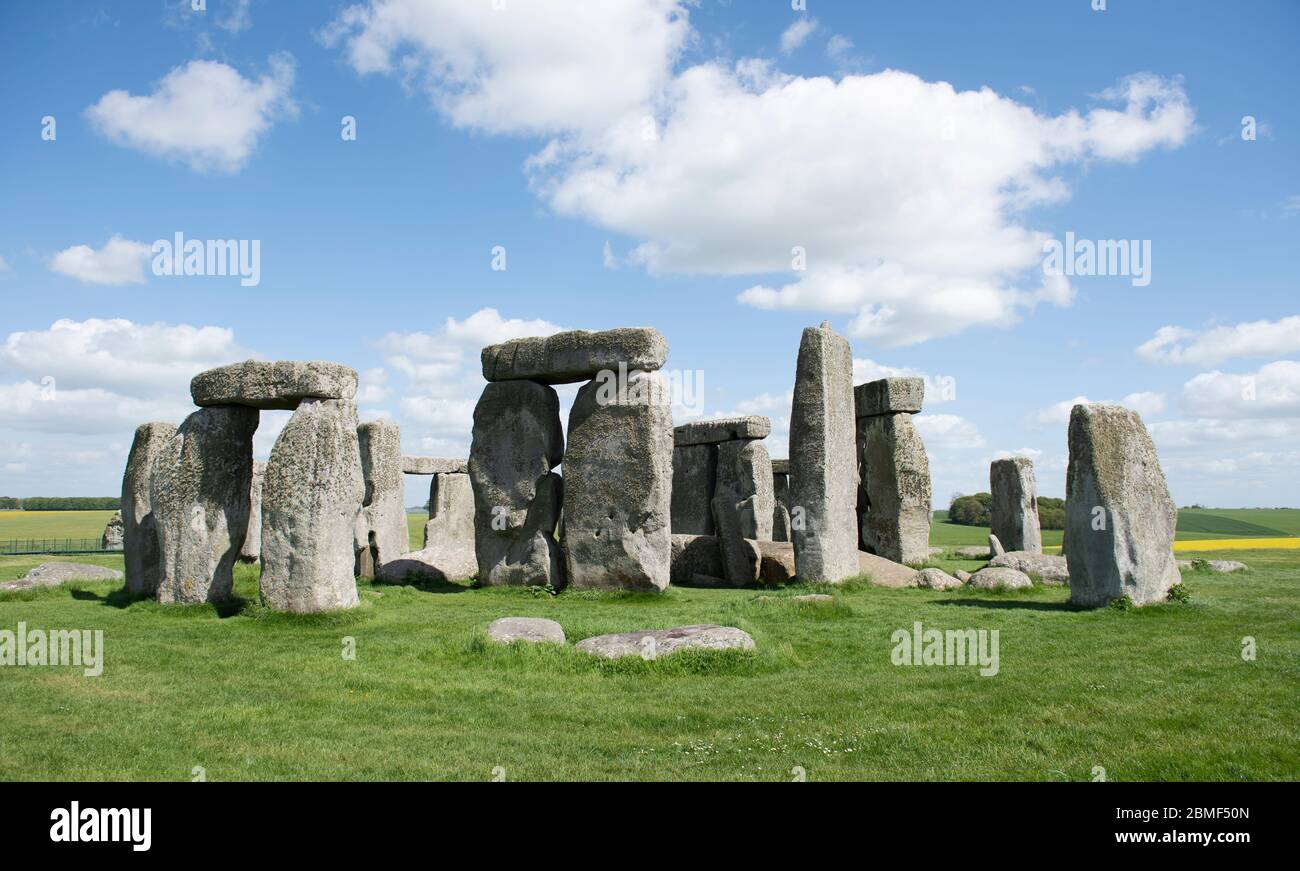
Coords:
823,471
894,471
139,528
1014,514
1118,512
741,560
199,494
745,472
449,533
695,469
311,497
780,500
251,552
517,441
381,530
112,537
618,474
995,546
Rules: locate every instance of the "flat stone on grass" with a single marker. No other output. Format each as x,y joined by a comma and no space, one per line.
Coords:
655,643
534,630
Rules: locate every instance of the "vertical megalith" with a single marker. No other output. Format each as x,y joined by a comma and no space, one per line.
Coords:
139,526
823,471
518,440
1119,518
251,552
694,474
449,532
780,500
1014,513
311,496
618,473
199,494
893,470
381,530
745,472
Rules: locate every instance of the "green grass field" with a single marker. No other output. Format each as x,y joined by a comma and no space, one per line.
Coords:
53,524
1193,525
1160,693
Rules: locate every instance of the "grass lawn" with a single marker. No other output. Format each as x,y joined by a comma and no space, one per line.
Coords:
1159,693
53,524
415,529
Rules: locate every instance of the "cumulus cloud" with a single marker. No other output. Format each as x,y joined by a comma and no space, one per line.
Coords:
205,113
797,33
938,388
1178,345
1146,404
120,261
1271,391
948,431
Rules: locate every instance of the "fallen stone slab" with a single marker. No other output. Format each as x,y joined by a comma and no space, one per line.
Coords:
574,356
434,466
937,579
141,553
1000,578
1222,566
887,573
655,643
282,384
53,574
814,598
972,552
889,396
112,537
724,429
962,575
1051,569
534,630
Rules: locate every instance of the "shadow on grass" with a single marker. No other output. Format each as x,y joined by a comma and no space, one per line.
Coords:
1014,604
425,583
123,598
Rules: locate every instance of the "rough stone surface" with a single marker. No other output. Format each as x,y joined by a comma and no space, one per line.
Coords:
962,575
724,429
434,466
273,385
887,573
814,599
745,473
139,528
695,470
740,560
781,502
823,468
694,555
618,474
534,630
199,493
889,396
776,564
1114,482
53,574
1222,566
1000,578
1014,513
112,537
574,356
937,579
517,498
381,529
894,492
311,497
972,552
995,546
449,532
251,552
1051,569
655,643
782,468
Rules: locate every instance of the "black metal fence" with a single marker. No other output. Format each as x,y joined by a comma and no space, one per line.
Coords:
14,546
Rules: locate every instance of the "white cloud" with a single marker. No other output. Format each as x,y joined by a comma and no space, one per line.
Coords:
797,33
1146,404
938,389
839,49
1028,453
909,232
947,431
1173,344
120,261
1272,391
203,113
236,18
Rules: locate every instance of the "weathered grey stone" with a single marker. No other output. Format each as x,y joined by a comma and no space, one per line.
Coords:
962,575
894,492
381,529
724,429
311,497
781,468
780,522
972,552
1000,578
139,528
533,630
577,355
199,493
745,473
656,643
434,466
448,552
937,579
251,551
1014,513
886,573
694,555
740,560
618,486
1222,566
112,537
995,546
823,469
695,470
1050,569
781,501
517,498
814,599
54,574
776,563
273,385
1118,515
889,396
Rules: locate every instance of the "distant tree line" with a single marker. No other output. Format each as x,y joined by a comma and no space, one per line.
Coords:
973,510
61,503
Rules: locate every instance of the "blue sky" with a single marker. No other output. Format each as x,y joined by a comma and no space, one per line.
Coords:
919,154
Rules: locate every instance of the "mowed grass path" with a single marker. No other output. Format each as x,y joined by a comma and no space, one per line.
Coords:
1160,693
